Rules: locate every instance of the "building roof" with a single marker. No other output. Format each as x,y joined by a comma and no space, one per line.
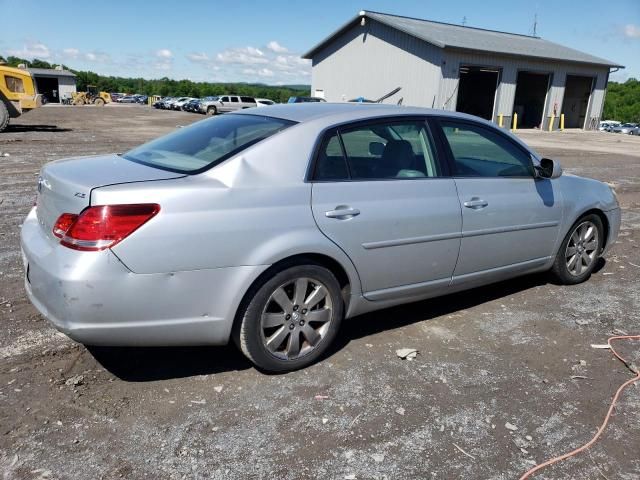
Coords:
446,35
50,72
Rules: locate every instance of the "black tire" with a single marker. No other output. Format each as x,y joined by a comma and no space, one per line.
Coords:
212,111
560,268
249,333
4,116
99,102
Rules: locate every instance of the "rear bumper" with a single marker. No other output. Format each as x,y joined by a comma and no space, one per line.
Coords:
614,217
94,299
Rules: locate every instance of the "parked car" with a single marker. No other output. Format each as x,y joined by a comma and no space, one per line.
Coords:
228,103
179,102
192,105
212,232
627,129
264,102
305,100
127,99
158,103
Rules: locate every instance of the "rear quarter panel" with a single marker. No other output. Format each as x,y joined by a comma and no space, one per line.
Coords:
254,209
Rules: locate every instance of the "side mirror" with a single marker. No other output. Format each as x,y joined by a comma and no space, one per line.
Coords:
548,168
376,148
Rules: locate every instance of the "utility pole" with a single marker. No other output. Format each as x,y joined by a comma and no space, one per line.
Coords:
464,21
535,24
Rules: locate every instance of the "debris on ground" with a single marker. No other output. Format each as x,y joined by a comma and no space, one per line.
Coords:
407,353
400,411
75,381
510,426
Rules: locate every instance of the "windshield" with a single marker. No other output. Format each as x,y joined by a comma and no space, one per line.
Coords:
207,143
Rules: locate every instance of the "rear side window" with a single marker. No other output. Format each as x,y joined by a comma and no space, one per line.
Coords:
234,99
394,150
247,100
479,152
206,143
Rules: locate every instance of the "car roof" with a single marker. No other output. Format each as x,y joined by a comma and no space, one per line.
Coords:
332,112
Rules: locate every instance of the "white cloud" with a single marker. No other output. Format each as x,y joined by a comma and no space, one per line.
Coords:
276,47
242,56
632,31
164,53
32,50
99,57
262,72
71,52
198,57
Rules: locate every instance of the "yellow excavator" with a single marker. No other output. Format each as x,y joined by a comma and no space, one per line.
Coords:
91,96
18,94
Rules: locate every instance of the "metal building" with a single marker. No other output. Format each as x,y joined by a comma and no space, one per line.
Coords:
486,73
55,84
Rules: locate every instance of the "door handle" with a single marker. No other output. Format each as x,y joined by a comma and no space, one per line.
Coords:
342,212
476,203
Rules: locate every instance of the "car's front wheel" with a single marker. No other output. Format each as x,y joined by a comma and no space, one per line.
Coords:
290,319
579,251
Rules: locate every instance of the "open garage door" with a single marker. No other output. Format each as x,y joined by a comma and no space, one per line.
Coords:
48,86
531,95
577,93
477,91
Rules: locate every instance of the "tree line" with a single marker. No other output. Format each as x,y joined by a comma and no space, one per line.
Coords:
166,86
623,101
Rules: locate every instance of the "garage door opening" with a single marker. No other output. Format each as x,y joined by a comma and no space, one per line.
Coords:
577,93
531,94
477,91
49,87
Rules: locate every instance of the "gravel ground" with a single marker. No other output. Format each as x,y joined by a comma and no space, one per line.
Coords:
503,354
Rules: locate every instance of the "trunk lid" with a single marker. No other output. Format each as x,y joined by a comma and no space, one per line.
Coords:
65,186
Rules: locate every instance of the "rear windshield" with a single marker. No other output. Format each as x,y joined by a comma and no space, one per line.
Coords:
207,143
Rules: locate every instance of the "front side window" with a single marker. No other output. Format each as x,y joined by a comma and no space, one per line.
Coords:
479,152
204,144
14,84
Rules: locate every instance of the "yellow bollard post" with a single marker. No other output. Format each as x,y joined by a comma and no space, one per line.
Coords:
562,122
515,122
553,119
500,121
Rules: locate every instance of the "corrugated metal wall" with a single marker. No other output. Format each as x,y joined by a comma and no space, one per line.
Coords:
371,60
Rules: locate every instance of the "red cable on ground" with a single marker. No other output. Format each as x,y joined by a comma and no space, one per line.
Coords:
635,370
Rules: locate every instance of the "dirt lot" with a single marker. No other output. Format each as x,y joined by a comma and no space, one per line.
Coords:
504,353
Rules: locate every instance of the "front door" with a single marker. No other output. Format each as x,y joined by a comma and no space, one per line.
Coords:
510,220
379,193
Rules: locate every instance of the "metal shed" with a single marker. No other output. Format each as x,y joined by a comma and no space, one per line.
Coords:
483,72
54,84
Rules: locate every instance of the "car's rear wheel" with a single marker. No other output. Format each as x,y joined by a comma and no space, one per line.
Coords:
291,318
580,250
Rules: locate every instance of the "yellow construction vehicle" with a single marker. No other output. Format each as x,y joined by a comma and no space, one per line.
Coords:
18,94
91,96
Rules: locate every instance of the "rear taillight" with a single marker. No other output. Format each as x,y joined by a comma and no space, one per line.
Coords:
63,224
103,226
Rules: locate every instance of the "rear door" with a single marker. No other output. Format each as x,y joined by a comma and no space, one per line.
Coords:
510,220
380,194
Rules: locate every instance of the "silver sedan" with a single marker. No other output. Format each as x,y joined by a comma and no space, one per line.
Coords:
269,227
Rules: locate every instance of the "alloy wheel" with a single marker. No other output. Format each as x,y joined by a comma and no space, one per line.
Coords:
582,248
296,318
